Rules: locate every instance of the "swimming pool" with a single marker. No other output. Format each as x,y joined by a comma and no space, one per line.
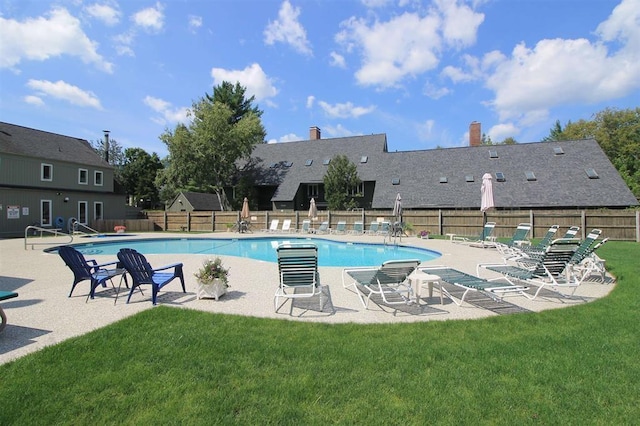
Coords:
330,253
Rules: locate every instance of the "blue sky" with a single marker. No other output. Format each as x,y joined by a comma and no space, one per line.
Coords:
418,71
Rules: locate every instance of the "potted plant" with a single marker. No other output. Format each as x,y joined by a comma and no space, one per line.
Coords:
424,234
120,229
213,279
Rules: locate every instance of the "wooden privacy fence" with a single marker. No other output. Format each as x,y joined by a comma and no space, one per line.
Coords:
615,224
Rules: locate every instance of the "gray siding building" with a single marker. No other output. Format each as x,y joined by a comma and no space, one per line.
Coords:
46,179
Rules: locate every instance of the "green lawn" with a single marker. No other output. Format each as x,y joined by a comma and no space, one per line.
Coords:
579,365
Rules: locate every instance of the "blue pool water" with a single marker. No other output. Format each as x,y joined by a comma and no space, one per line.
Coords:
330,253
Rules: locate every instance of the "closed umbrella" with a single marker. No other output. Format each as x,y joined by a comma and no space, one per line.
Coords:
397,213
487,202
397,207
244,214
313,210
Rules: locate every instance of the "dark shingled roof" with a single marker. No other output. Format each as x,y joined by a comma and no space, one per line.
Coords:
28,142
561,181
201,201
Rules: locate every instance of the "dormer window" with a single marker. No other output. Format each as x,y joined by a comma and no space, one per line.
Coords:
469,178
500,177
364,159
308,162
273,165
592,174
493,153
530,176
558,150
326,161
395,181
287,164
443,179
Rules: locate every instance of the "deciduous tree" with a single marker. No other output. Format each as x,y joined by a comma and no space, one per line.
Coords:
340,179
203,154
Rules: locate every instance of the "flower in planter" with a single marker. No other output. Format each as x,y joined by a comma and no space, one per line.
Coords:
424,234
213,269
119,228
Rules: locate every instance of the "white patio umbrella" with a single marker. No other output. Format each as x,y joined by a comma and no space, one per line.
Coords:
313,210
486,202
397,207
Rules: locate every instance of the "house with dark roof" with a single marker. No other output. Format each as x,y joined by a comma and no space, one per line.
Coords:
47,179
187,201
545,175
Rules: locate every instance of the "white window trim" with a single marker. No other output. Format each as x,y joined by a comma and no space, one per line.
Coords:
95,178
42,202
42,167
86,173
313,190
95,204
86,211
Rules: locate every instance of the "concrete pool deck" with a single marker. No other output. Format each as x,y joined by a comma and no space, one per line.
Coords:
43,315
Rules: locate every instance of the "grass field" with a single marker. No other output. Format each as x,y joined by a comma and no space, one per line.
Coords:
578,365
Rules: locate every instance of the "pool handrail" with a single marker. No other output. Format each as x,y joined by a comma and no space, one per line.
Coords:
54,231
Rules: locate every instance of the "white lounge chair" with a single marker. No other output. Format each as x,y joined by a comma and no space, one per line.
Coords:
389,281
286,226
274,226
483,240
298,273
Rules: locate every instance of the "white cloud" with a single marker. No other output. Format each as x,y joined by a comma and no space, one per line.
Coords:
460,24
252,77
287,29
560,72
310,100
435,92
34,100
151,18
425,130
123,43
42,38
372,4
195,22
567,71
345,110
291,137
407,45
410,44
500,132
105,13
337,60
168,114
66,92
338,131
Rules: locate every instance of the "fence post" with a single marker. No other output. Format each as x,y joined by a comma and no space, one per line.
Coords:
583,223
637,226
440,227
164,228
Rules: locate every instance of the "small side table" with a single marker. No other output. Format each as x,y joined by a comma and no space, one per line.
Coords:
450,236
421,279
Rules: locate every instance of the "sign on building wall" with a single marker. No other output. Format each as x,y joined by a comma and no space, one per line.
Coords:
13,212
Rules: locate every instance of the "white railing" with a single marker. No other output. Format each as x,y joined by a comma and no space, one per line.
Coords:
37,229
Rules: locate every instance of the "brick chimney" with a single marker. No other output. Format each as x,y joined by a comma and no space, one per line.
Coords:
475,134
314,133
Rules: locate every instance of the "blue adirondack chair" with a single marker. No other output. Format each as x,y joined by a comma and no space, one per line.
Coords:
88,269
143,274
